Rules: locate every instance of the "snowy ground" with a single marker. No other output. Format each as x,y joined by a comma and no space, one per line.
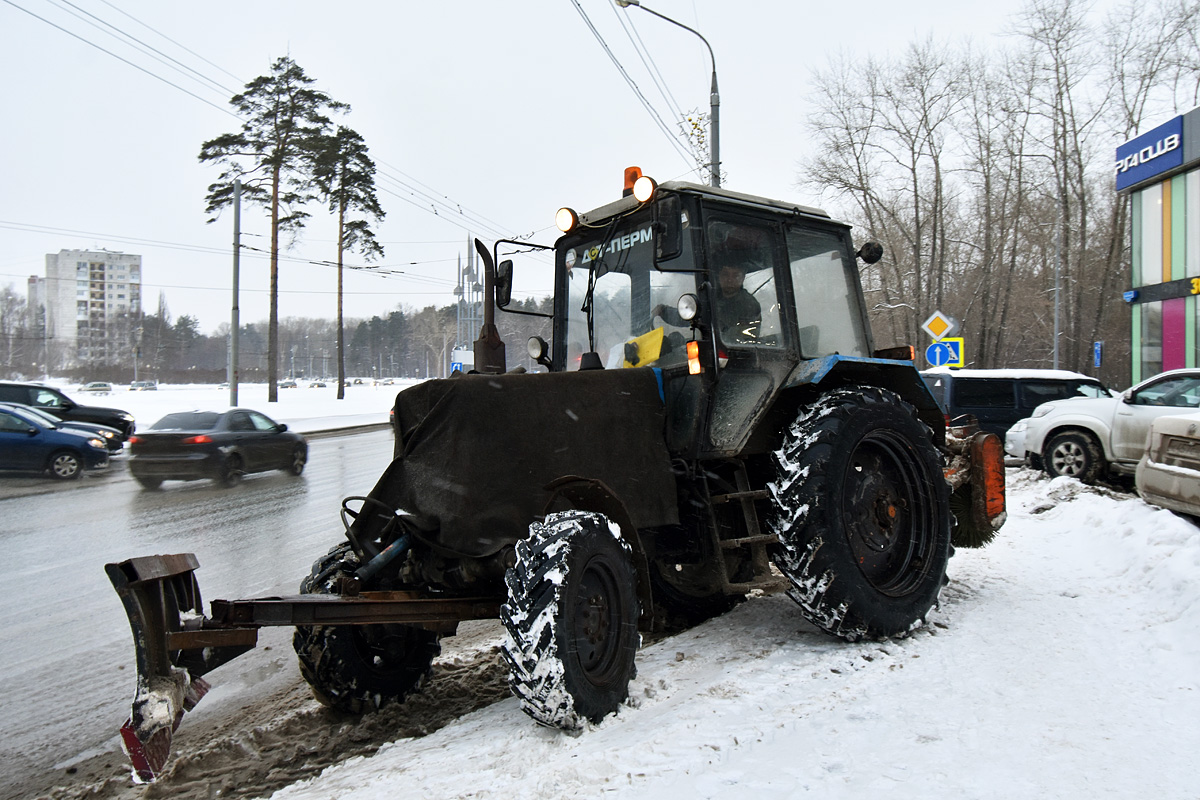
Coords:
1063,662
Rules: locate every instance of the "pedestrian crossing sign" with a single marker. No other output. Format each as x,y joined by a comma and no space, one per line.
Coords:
945,353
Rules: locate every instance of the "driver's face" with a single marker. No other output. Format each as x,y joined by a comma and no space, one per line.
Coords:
731,279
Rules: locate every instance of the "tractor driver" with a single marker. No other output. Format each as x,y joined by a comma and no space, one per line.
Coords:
739,315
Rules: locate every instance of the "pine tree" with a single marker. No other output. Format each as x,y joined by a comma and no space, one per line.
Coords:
284,121
345,176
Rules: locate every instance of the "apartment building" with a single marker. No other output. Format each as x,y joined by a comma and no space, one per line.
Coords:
93,302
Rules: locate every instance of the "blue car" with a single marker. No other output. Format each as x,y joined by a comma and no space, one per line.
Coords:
113,438
30,444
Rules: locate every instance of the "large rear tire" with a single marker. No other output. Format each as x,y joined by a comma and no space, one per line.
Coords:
358,668
862,512
571,618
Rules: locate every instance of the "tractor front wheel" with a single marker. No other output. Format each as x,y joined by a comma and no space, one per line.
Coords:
358,668
571,618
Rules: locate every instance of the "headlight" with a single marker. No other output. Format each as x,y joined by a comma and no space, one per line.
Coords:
107,434
127,417
688,306
1019,427
97,443
1043,410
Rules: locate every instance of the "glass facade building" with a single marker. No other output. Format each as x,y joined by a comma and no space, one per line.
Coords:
1160,171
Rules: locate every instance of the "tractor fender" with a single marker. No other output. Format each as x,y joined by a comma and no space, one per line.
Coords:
590,494
901,377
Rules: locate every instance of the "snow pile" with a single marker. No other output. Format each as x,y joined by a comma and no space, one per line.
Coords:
1061,663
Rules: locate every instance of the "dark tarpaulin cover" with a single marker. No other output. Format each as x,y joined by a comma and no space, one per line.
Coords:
477,451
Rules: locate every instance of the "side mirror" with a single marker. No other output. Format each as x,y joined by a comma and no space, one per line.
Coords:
668,228
870,252
504,283
1127,397
281,427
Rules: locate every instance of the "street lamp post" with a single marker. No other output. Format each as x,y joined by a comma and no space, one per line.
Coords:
714,96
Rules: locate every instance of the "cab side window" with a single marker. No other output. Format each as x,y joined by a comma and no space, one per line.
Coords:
825,283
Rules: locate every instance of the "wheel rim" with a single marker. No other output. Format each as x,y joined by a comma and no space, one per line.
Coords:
886,516
596,617
298,461
382,647
1068,458
65,465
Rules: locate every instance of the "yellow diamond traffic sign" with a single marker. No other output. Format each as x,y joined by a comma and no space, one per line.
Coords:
938,325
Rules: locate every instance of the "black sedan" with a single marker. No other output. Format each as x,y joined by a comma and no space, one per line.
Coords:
222,445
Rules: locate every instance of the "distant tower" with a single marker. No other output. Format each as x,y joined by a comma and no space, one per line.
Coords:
469,292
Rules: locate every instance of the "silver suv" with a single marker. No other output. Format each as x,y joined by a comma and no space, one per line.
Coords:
1085,437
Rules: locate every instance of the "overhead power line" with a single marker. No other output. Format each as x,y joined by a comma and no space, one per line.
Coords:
658,120
121,59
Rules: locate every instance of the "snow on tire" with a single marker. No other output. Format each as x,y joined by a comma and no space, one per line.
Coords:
571,619
358,668
861,510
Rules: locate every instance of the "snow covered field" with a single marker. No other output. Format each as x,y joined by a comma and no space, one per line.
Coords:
1063,662
302,408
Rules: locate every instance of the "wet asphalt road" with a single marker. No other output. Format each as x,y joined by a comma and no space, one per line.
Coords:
66,654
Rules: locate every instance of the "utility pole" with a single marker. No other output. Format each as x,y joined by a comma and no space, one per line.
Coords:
234,316
714,97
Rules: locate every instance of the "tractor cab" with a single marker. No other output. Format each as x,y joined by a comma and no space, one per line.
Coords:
724,293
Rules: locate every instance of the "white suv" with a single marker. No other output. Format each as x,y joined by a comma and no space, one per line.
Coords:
1084,437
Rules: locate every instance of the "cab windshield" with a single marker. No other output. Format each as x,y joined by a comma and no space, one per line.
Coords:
611,269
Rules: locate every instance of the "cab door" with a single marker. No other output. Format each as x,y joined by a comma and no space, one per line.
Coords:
746,261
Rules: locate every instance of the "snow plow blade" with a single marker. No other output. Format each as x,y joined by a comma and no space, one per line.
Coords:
162,600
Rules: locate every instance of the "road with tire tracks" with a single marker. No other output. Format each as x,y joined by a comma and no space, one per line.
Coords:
66,654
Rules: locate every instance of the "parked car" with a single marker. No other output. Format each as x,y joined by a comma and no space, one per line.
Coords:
1089,437
143,386
113,440
97,387
54,402
287,384
28,443
1168,474
998,398
222,445
317,385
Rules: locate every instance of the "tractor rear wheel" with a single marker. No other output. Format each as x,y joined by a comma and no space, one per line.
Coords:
571,618
862,512
358,668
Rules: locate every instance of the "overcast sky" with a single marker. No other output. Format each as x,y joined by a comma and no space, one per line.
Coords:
503,110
